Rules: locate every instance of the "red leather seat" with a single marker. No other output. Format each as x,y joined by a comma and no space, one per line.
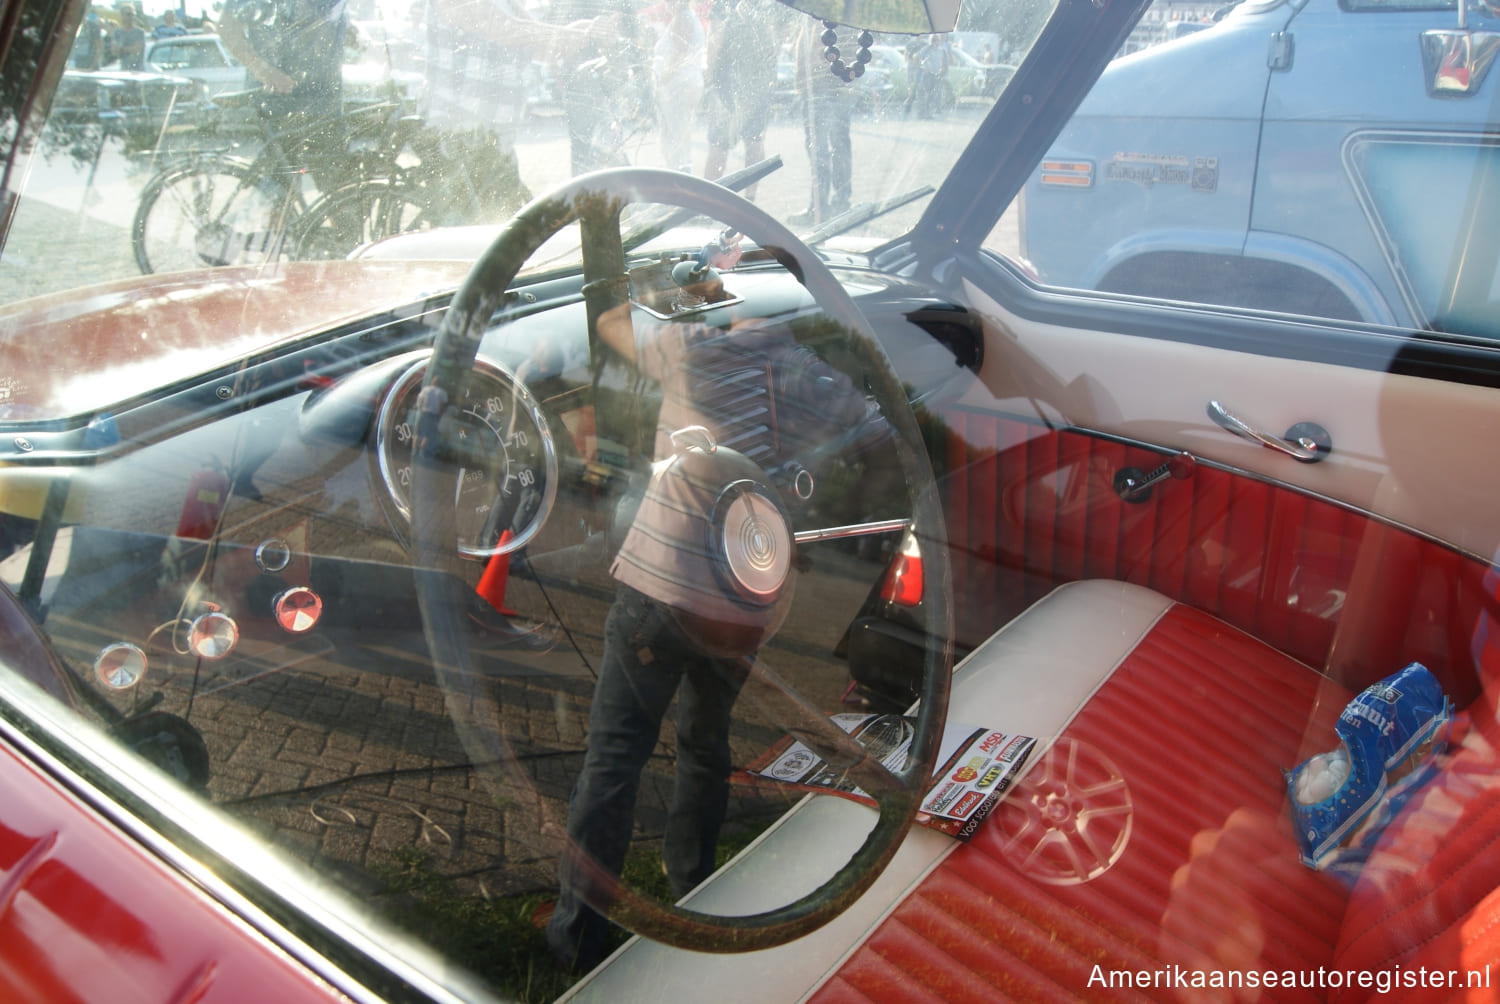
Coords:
1155,835
1149,847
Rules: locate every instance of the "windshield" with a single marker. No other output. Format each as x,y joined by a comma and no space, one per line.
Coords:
238,273
242,134
652,502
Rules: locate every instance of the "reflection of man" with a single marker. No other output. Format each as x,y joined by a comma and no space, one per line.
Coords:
932,71
743,45
295,48
606,84
678,624
130,41
88,50
477,55
825,109
169,28
677,75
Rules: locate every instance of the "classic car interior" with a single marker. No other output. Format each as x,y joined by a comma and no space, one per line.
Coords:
303,621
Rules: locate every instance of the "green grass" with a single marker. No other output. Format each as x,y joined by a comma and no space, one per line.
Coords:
495,937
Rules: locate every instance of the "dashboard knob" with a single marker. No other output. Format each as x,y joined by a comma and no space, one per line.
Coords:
120,666
297,610
213,636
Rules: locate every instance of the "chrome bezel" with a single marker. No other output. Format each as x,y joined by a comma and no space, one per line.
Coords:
218,630
108,679
515,391
286,596
273,555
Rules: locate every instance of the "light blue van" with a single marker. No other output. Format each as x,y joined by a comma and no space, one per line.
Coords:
1241,165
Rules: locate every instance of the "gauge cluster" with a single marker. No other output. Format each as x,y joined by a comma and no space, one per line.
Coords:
497,435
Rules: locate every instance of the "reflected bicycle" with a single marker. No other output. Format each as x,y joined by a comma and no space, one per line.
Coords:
312,190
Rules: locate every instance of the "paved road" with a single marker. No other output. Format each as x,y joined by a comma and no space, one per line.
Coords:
347,751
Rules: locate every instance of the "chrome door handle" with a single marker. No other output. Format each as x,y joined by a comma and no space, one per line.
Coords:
1304,441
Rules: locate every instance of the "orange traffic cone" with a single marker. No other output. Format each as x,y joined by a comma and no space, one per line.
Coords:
496,574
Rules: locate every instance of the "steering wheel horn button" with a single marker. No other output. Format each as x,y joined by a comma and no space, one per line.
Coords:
297,610
754,540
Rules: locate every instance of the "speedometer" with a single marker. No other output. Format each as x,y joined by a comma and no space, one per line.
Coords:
499,442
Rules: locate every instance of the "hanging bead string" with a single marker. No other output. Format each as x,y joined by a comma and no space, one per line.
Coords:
845,71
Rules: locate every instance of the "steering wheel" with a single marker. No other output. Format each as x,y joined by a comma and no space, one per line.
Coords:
594,201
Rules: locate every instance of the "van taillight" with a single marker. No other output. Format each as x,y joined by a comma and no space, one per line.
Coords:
903,580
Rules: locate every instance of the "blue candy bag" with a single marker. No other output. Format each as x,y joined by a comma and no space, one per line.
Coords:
1389,736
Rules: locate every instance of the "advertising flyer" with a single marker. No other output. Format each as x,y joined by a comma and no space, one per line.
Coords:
977,766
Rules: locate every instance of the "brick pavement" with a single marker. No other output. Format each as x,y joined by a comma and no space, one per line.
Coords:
341,747
351,769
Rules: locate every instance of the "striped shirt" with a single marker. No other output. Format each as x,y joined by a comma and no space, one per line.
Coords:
759,393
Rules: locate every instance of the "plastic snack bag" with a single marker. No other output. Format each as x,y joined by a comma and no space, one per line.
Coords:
1389,736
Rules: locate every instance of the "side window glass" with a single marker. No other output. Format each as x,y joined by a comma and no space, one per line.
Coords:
1206,167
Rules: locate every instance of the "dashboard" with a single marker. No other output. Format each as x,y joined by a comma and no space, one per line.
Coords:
277,492
234,576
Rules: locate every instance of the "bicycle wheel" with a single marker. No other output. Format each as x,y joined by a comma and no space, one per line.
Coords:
356,214
211,212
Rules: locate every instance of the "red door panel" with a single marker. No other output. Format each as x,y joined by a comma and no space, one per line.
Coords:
1031,507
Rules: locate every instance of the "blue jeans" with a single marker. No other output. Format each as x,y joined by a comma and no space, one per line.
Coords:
825,127
646,661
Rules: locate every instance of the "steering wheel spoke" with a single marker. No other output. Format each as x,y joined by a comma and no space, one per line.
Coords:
867,529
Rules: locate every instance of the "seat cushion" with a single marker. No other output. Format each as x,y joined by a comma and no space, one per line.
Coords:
1153,833
1150,830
